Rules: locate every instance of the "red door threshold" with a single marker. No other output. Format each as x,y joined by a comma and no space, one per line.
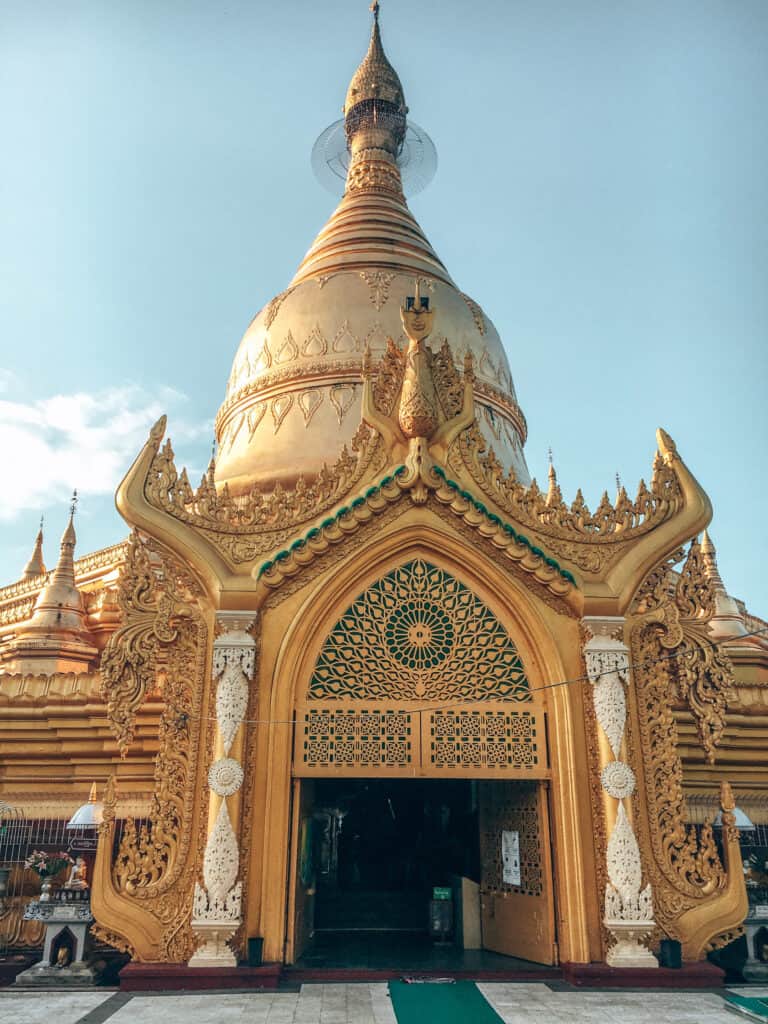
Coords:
177,977
299,975
695,975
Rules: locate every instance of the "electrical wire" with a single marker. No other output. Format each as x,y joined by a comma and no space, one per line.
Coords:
630,665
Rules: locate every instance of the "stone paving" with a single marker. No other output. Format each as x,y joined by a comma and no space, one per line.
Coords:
516,1003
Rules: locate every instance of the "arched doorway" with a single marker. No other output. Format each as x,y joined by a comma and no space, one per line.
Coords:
420,759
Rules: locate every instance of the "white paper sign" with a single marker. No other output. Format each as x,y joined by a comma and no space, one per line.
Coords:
510,857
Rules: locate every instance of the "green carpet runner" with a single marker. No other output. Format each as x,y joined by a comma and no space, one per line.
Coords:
755,1008
457,1003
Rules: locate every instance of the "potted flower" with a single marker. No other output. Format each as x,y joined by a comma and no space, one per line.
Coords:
46,865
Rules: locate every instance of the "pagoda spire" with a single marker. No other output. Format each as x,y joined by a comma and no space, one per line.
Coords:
727,621
554,495
374,120
64,573
35,566
56,638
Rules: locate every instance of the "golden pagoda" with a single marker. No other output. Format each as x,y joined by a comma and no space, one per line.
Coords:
368,657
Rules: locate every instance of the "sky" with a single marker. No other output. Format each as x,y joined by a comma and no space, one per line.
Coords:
602,192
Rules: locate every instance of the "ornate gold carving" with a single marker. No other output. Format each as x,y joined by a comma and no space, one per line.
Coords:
288,351
254,418
309,402
342,397
155,865
588,539
402,739
419,633
678,613
280,408
315,345
378,282
477,313
15,933
273,307
344,340
374,176
256,523
18,611
128,664
389,378
291,373
671,617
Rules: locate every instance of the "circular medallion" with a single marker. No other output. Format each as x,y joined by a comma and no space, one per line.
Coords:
618,780
419,634
225,776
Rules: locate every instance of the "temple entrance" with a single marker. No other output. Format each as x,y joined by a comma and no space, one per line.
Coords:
372,856
384,845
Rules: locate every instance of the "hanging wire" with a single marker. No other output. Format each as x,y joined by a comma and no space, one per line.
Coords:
534,689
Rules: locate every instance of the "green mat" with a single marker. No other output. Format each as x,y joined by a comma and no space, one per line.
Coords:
750,1006
425,1003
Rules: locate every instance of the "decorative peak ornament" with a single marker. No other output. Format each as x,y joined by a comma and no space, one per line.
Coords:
65,567
35,566
374,148
375,78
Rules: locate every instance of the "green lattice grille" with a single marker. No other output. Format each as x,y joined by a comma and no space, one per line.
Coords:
418,632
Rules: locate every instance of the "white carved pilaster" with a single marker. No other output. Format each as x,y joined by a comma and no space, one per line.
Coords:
628,908
216,911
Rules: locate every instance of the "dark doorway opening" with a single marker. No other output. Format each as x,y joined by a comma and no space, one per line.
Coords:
381,846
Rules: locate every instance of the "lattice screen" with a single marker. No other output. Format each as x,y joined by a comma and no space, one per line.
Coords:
512,806
419,633
491,742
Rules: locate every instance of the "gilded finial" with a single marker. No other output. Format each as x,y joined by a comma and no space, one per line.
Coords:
157,431
35,566
73,504
375,80
554,494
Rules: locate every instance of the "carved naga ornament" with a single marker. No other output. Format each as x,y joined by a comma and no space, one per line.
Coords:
426,386
142,898
697,898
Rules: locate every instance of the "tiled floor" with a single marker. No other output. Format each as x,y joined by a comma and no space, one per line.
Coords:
519,1003
19,1007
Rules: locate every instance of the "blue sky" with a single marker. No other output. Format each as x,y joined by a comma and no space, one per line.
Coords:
601,191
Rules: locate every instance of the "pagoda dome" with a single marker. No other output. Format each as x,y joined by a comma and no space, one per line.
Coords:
294,395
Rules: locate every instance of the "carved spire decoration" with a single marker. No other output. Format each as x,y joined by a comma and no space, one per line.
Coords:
35,566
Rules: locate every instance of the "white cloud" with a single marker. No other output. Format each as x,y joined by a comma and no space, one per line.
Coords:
81,440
